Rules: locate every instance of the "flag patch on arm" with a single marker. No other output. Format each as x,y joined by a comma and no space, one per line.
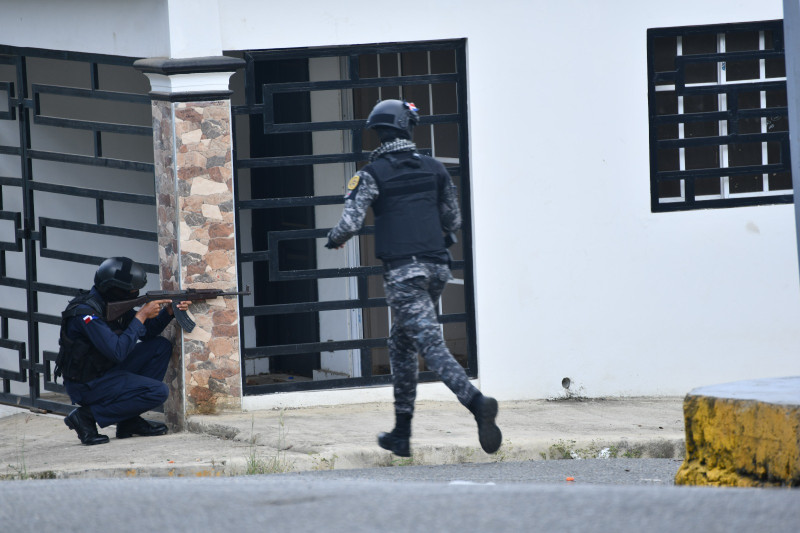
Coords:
352,184
89,318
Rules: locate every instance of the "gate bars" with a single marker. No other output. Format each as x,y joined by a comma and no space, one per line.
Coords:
259,103
26,101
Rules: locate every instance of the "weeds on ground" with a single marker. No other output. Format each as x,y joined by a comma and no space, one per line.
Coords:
461,455
323,463
503,454
404,461
20,469
22,475
560,450
634,453
278,463
566,449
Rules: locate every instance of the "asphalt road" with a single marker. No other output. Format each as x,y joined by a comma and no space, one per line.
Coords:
529,496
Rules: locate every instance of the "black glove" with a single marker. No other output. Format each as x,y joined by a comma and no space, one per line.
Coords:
331,244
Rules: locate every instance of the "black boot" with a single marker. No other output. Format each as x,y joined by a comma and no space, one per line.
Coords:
139,426
82,421
397,441
485,410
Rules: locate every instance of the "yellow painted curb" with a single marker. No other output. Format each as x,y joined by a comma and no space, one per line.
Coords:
740,442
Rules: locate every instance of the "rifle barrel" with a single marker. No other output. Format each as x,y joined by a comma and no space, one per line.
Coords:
115,310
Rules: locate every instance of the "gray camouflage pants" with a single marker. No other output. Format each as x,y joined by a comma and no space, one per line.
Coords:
413,293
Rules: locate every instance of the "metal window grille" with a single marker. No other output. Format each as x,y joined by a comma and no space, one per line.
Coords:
276,142
719,133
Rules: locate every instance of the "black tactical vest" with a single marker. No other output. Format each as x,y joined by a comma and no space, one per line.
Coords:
407,209
78,360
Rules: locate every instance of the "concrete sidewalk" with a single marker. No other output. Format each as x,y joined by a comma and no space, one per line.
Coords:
340,437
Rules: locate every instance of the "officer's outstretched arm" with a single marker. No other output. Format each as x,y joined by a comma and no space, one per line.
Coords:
356,203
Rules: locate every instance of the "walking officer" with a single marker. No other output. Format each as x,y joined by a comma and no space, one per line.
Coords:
415,205
114,370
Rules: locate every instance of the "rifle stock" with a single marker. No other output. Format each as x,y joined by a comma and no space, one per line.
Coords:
114,310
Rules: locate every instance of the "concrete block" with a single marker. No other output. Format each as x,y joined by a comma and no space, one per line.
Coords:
743,434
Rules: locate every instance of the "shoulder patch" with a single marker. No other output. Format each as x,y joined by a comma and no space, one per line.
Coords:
89,318
353,183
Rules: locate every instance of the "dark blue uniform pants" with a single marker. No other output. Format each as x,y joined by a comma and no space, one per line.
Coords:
129,389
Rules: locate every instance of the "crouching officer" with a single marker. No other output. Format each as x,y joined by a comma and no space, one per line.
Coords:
415,205
114,370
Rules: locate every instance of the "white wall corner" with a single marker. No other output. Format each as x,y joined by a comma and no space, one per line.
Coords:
194,28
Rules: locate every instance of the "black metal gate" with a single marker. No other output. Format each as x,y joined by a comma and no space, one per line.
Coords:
76,178
76,186
285,121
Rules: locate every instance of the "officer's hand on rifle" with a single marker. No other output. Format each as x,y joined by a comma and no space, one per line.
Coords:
183,306
150,310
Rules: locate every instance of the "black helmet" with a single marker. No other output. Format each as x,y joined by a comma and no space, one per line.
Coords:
396,115
118,277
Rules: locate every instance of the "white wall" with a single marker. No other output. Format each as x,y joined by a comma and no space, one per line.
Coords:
117,27
574,276
140,28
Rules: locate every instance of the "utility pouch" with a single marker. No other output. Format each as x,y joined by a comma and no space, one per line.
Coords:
79,361
61,362
75,361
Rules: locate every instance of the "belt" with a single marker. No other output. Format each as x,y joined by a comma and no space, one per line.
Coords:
397,263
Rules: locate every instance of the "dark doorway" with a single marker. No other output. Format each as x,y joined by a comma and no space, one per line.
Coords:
284,182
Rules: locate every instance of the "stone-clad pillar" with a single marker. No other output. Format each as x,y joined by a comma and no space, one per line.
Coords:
196,234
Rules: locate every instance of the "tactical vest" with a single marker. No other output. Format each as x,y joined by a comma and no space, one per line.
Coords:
407,209
78,360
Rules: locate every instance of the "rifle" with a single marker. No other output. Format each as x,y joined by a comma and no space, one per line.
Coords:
115,310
